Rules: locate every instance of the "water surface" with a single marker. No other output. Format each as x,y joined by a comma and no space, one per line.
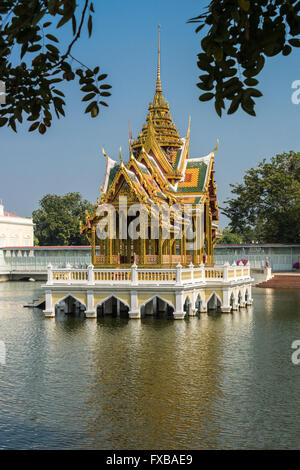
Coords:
213,381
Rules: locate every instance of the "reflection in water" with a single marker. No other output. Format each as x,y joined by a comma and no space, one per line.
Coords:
214,381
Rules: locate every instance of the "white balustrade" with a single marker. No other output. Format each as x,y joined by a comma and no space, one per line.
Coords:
203,275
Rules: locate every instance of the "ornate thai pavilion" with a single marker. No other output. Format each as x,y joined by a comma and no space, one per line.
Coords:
166,264
160,172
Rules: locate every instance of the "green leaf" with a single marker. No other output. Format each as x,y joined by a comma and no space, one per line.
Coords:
206,96
42,128
90,25
3,121
51,37
74,25
52,49
248,109
91,106
34,48
254,92
294,42
89,97
58,92
244,4
34,126
251,82
199,28
95,111
286,50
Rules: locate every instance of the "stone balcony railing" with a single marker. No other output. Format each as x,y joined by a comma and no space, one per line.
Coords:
148,276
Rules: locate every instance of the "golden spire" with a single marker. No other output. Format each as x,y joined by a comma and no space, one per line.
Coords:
158,81
159,120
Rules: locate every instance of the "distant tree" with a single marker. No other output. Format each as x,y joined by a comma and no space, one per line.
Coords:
230,238
240,35
39,63
266,206
58,217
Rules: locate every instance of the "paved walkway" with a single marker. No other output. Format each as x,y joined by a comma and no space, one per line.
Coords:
286,280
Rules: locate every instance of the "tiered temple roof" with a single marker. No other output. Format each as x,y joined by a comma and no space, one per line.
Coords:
160,170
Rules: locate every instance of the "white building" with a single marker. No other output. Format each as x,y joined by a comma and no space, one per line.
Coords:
15,230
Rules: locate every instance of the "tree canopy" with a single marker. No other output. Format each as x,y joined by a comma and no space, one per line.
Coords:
240,35
57,219
266,206
229,238
33,63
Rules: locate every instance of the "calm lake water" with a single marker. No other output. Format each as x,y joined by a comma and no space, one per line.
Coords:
214,381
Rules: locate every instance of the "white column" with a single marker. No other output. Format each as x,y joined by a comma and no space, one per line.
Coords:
134,275
134,311
225,271
202,272
193,310
191,266
242,302
178,274
68,266
49,275
91,277
49,310
250,300
235,305
91,311
226,307
179,313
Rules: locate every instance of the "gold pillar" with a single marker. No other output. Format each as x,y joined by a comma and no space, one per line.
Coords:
93,245
183,249
160,246
128,250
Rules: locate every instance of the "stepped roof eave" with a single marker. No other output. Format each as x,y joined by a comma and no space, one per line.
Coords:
146,178
196,175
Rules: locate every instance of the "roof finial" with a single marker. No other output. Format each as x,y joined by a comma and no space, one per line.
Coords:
121,159
103,151
158,82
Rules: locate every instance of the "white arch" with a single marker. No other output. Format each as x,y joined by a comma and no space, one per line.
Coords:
158,297
112,296
69,295
200,297
187,301
246,294
211,295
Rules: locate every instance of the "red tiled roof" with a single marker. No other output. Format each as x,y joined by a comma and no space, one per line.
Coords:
8,214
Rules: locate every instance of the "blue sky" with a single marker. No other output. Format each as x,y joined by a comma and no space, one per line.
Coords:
124,44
